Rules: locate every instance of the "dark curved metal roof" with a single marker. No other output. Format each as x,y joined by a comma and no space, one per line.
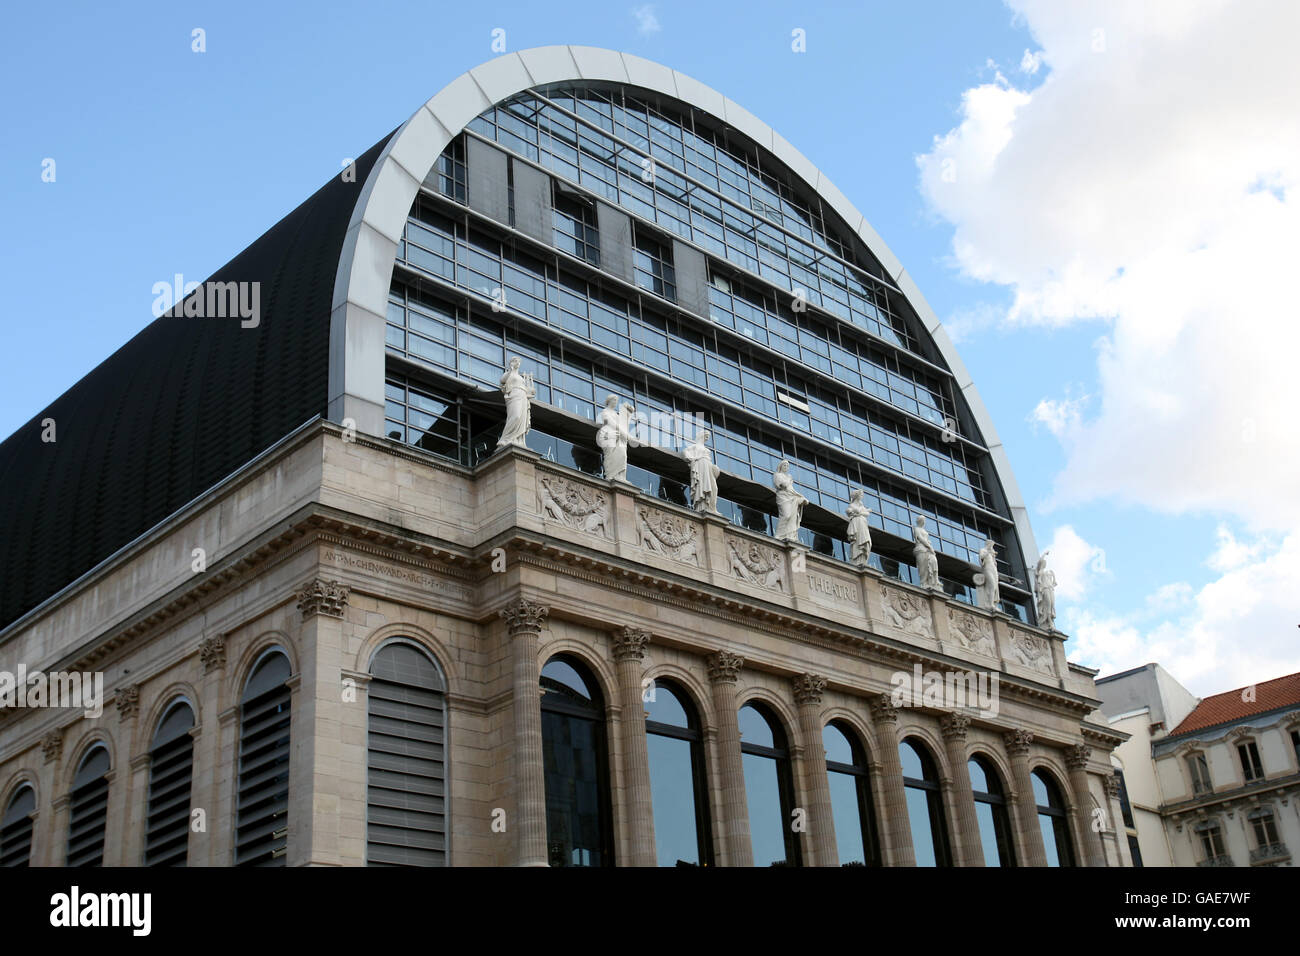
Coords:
174,410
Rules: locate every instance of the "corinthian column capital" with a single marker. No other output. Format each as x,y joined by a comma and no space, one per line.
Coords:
524,616
954,727
808,688
1018,742
724,667
630,642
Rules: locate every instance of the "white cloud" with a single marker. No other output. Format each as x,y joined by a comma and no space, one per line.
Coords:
1239,629
1030,62
647,22
1229,553
1075,562
1060,417
1151,182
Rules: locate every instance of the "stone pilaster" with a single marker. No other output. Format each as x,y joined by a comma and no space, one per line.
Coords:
46,850
629,652
126,825
724,668
819,839
1091,851
970,851
316,726
1026,812
896,829
209,777
524,626
1122,852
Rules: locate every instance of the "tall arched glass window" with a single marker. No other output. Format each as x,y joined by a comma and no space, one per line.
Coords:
851,804
16,828
678,788
171,768
769,789
1052,820
262,807
924,804
89,809
576,763
406,777
991,812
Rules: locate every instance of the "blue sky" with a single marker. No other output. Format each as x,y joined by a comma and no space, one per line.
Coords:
173,161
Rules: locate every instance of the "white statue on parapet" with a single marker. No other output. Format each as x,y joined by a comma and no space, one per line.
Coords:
517,387
989,589
859,533
704,474
927,562
1045,585
789,504
614,437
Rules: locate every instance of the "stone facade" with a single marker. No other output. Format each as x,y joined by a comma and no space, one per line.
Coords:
332,544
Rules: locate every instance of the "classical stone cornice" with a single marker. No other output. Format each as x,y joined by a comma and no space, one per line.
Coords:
1018,742
724,667
808,688
629,643
328,598
524,616
649,583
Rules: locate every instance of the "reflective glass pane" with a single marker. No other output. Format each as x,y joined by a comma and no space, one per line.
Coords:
766,821
672,790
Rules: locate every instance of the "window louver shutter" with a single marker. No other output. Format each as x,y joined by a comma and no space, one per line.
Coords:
89,811
262,809
16,829
171,769
406,822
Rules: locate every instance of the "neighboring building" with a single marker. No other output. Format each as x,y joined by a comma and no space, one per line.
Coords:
338,621
1211,782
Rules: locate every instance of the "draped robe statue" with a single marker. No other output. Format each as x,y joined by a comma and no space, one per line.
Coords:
517,387
704,474
614,437
990,592
859,530
789,504
927,564
1045,585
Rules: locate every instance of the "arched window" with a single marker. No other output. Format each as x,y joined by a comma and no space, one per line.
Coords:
577,766
406,778
678,788
769,790
851,804
171,767
924,804
89,809
1052,820
262,808
991,812
16,828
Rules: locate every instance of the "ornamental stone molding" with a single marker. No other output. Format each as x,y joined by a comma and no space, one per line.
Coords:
906,611
1076,756
973,633
128,701
1017,742
724,667
212,652
808,688
52,746
630,642
573,504
756,564
954,726
323,597
673,536
883,710
524,616
1112,787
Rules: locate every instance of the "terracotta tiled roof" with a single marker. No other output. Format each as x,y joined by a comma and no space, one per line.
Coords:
1227,707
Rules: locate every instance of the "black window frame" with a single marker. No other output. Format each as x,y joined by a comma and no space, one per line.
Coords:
861,772
693,733
780,753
